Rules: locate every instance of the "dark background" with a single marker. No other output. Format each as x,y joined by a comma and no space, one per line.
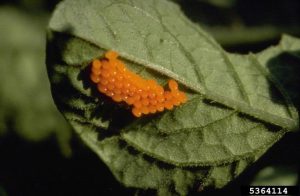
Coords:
60,165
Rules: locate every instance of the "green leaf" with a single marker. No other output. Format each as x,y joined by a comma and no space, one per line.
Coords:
283,61
236,110
158,37
278,175
25,101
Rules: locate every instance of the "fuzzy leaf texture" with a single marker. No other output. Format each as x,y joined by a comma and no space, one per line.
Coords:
237,108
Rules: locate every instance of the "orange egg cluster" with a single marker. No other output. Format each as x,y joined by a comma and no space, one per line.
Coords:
146,96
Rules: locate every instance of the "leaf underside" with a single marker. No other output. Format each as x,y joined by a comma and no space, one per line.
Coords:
236,110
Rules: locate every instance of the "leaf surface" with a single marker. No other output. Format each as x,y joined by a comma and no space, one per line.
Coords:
237,108
156,35
26,104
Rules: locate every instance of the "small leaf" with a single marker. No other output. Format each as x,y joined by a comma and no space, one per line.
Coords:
279,175
25,101
236,110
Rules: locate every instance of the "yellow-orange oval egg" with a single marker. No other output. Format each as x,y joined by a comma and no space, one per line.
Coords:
144,95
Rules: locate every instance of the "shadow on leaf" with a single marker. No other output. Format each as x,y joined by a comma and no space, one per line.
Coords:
286,68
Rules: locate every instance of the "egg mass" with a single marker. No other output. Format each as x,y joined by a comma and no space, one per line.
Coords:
145,96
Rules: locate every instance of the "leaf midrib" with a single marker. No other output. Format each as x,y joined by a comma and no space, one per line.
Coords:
200,88
287,123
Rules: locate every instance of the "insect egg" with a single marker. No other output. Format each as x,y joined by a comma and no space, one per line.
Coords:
145,96
173,85
136,112
117,98
145,102
96,64
137,104
95,78
111,55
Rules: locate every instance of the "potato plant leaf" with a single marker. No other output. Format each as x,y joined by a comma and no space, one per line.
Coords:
26,104
236,110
